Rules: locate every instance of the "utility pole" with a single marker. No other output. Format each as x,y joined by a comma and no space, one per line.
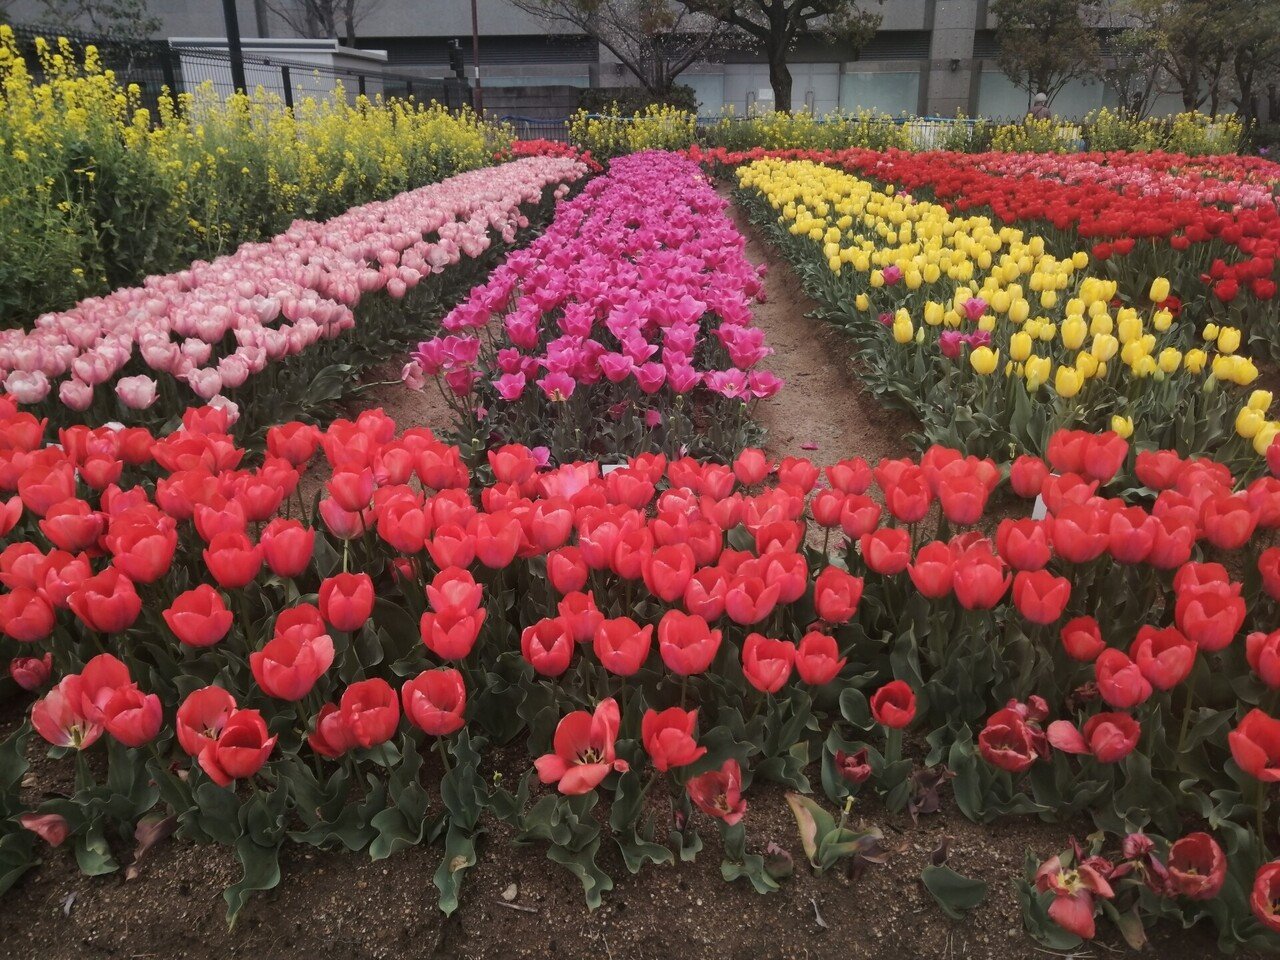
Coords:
477,96
232,20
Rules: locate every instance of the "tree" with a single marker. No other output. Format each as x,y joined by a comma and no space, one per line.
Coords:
323,18
776,25
655,39
117,19
1045,44
1132,66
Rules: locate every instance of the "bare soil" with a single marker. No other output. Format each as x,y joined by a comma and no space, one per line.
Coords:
344,907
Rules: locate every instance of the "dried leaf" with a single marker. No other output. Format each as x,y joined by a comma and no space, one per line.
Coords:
150,831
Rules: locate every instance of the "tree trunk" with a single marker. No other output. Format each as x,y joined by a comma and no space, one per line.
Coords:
780,79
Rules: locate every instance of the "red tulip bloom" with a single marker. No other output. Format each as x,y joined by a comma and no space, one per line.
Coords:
199,617
132,717
584,751
202,717
1131,534
1108,737
435,701
887,551
767,663
719,793
1197,867
751,467
1074,892
1210,614
1165,657
52,828
452,633
295,442
749,600
287,546
233,559
1007,741
454,589
495,538
1024,544
106,602
566,570
1255,745
366,716
850,476
836,594
669,738
346,600
580,614
894,705
240,751
1158,469
667,571
933,571
1228,521
1103,455
818,659
291,662
143,551
1040,596
1079,532
60,717
686,642
548,646
25,615
72,525
31,673
859,516
1120,682
1262,650
1264,899
853,768
1027,476
980,579
622,645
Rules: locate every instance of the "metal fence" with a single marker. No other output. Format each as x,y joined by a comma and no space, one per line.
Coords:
156,65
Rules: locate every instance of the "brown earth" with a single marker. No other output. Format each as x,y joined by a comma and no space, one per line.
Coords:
342,906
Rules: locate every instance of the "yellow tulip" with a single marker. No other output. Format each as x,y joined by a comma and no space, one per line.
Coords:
1260,400
1159,291
1074,330
861,302
1210,331
987,322
1170,359
877,279
1048,298
1193,361
1228,340
1019,310
1162,320
1067,382
1249,422
984,360
1122,426
1037,370
1020,346
1264,437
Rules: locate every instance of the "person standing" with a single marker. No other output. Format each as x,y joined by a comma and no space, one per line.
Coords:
1040,107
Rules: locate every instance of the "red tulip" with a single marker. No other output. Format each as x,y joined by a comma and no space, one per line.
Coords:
346,600
836,594
52,828
233,559
72,525
548,646
850,476
584,750
1079,533
1131,533
495,539
1158,469
980,579
435,701
453,588
818,659
1027,476
1074,891
291,662
1120,682
1040,596
1109,737
566,570
667,571
894,705
31,673
719,793
767,663
687,644
1228,520
1262,650
1264,899
748,600
751,467
202,717
199,617
1210,614
853,768
452,633
706,592
60,717
1082,639
579,612
1007,741
452,546
1197,867
25,615
859,516
106,602
1255,745
1165,657
366,716
933,571
143,551
622,645
239,751
1024,544
295,442
287,546
669,738
634,548
133,717
1103,455
887,551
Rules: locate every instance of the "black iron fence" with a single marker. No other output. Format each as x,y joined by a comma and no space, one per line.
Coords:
185,66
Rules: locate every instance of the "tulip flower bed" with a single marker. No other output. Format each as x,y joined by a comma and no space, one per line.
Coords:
994,338
224,663
263,327
625,327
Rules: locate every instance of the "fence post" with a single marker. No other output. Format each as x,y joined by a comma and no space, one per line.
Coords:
361,84
286,81
408,89
170,75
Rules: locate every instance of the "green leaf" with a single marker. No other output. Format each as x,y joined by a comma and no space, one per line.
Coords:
261,867
956,894
459,855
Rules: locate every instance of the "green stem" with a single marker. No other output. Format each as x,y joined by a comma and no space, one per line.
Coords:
444,755
1186,712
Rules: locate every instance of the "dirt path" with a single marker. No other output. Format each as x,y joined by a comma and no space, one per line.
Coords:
823,402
